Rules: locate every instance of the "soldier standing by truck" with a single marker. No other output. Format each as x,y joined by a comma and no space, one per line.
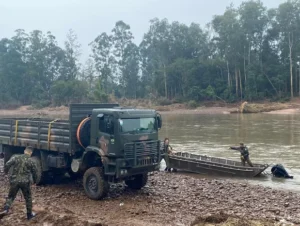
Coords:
168,151
22,168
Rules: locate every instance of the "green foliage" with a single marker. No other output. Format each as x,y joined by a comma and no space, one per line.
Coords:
98,94
163,101
65,92
192,104
246,53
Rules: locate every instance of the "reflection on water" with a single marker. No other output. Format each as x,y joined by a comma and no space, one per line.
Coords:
271,139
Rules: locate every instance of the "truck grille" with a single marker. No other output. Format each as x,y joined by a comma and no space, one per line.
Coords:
142,153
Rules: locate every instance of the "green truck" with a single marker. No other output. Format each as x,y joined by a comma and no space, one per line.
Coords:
104,143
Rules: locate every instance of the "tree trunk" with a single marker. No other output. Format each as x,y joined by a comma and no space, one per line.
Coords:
236,83
245,73
296,80
299,79
291,62
228,73
241,87
165,76
249,54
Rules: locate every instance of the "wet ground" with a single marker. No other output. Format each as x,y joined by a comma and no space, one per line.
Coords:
168,199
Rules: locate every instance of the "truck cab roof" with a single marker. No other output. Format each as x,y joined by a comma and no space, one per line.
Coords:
126,112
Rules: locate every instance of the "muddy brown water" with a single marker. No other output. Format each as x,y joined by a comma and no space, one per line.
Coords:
270,138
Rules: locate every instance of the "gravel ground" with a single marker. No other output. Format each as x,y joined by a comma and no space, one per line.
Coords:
167,199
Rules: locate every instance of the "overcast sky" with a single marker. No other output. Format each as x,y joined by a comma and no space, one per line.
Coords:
91,17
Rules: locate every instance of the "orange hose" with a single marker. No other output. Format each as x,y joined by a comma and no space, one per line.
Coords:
78,130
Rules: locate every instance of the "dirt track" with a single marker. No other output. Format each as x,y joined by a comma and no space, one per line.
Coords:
168,199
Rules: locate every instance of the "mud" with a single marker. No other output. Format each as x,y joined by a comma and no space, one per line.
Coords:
167,199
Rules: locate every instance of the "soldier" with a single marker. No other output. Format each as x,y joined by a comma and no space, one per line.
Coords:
244,154
20,179
167,151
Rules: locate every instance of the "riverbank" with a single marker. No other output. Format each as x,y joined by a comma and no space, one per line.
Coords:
292,107
167,199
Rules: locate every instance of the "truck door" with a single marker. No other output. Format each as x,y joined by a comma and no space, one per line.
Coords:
105,138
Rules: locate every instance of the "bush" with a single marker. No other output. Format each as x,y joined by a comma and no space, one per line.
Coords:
178,100
163,102
41,104
192,104
65,92
10,104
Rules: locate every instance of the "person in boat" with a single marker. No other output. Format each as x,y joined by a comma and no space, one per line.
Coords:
244,154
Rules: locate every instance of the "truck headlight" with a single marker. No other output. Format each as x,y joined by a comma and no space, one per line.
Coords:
123,171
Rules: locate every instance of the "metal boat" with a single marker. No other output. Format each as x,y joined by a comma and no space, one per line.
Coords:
203,164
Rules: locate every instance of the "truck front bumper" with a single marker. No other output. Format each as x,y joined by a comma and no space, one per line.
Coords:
127,172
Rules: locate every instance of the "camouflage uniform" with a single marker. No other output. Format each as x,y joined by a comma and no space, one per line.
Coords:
23,169
244,154
168,151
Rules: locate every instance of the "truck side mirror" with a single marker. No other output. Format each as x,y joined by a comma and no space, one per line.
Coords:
159,121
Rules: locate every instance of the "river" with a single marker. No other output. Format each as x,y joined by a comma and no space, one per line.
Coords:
270,138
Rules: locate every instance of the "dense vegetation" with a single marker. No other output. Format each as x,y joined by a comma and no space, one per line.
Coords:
250,53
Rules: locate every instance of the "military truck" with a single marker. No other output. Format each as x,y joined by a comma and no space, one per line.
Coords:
104,143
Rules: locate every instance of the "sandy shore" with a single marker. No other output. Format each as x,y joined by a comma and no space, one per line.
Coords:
285,111
63,112
167,199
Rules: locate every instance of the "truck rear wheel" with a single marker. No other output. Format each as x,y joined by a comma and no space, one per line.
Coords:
94,183
39,170
138,182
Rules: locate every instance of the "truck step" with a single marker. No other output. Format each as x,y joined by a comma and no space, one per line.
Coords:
110,174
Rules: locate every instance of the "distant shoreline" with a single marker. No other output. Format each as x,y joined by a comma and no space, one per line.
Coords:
174,109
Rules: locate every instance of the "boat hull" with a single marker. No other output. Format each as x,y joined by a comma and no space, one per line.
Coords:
213,166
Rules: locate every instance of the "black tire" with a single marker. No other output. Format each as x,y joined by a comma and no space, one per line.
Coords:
39,171
138,182
94,183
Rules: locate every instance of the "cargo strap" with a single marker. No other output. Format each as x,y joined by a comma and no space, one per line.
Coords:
16,131
49,132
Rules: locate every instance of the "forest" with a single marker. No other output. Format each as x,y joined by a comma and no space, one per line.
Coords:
248,53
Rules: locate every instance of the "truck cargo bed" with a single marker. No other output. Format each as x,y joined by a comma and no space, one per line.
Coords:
47,134
39,133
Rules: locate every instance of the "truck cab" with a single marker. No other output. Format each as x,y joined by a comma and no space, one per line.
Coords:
124,143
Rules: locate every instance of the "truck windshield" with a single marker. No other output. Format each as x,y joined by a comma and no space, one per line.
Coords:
137,125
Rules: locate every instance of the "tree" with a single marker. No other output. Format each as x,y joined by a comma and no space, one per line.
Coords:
103,58
122,40
288,19
72,52
131,69
156,49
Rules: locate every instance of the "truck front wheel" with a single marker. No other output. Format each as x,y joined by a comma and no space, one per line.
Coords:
138,182
94,183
